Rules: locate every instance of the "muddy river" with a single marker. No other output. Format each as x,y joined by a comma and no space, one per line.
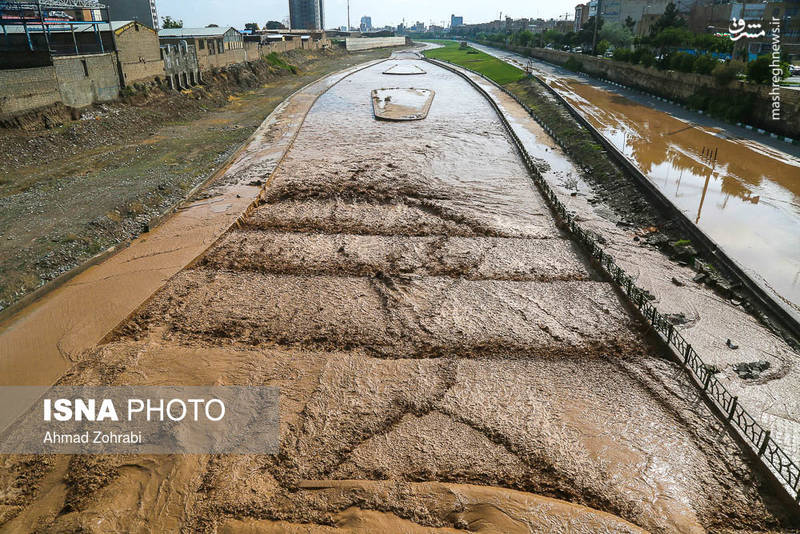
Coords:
742,189
448,361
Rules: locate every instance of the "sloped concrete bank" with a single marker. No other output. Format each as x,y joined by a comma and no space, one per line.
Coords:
755,440
682,86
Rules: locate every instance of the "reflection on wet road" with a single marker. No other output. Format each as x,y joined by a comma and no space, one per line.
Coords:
743,194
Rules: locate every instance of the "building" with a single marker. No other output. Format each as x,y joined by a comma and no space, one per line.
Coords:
455,22
143,11
215,47
180,65
366,24
138,52
642,12
610,11
306,15
715,18
55,57
581,16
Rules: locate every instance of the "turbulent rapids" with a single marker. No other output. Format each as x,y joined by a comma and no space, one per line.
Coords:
448,361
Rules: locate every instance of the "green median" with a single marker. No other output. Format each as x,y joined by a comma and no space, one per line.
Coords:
491,67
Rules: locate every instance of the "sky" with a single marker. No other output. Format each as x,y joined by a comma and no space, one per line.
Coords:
200,13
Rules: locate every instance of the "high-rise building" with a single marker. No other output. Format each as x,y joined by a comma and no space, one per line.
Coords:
307,14
366,24
142,10
455,22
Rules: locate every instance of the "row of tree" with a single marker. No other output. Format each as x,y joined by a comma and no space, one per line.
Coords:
168,22
668,45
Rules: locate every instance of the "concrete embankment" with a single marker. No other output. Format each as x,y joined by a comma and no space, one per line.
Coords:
602,202
682,87
448,361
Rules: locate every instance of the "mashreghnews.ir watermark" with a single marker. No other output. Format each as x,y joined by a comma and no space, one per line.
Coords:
777,69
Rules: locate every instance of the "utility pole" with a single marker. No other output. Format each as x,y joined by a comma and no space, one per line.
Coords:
348,15
596,18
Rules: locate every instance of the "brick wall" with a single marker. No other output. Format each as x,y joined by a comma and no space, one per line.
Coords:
139,53
26,89
293,44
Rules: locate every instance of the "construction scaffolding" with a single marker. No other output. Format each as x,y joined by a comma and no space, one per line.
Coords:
55,27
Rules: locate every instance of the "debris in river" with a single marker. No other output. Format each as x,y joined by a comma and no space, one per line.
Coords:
752,370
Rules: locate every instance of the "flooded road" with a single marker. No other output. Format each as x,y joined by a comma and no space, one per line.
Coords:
742,190
448,361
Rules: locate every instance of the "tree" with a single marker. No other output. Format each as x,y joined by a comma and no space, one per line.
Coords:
725,73
712,43
213,26
761,71
616,34
522,38
586,35
274,25
705,64
682,62
168,22
252,26
630,23
670,19
602,47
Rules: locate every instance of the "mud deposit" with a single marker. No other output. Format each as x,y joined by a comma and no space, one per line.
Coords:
447,361
402,104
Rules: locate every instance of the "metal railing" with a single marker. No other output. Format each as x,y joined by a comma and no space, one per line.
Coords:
731,412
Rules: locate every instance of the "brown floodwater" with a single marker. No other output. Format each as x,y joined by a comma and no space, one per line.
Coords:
743,194
448,360
42,340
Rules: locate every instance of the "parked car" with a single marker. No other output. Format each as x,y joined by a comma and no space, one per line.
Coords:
794,70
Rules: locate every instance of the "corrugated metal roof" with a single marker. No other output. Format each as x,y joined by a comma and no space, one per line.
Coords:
194,32
57,28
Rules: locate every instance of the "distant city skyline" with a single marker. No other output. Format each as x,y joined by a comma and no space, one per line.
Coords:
200,13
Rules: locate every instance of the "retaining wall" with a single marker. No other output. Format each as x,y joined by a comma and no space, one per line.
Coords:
681,86
25,89
84,80
366,43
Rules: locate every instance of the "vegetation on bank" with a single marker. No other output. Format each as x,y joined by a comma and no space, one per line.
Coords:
670,45
495,69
